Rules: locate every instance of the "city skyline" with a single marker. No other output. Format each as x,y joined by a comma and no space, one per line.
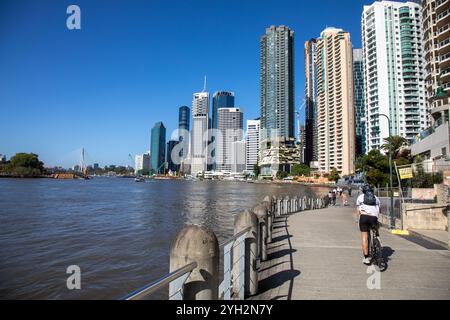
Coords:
118,114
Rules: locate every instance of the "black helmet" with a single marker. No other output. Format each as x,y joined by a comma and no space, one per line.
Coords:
366,188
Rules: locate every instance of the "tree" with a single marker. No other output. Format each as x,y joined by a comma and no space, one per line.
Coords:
334,175
300,170
24,165
256,171
282,174
398,143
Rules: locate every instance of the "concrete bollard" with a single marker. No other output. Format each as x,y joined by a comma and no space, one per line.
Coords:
241,222
197,244
269,221
288,205
261,212
304,203
279,207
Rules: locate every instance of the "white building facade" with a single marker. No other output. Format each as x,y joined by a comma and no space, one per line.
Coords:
393,60
142,163
252,144
229,126
199,155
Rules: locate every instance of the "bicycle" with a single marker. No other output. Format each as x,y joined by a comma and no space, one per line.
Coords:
376,248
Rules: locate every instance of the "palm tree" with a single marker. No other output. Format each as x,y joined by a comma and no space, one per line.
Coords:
398,143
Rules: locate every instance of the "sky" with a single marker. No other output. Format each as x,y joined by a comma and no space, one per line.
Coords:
134,63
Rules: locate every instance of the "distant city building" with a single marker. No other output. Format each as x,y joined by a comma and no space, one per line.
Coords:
199,154
221,99
335,113
238,156
277,82
432,144
302,144
360,111
2,158
142,164
311,136
393,71
230,122
252,144
171,164
183,129
96,166
158,148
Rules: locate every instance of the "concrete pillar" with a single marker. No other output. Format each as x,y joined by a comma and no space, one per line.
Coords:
288,205
280,206
269,221
261,212
197,244
304,203
241,222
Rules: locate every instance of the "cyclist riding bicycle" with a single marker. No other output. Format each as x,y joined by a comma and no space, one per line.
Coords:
367,210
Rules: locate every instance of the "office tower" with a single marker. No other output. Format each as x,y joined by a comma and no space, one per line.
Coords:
172,160
221,99
393,71
183,130
142,164
199,153
229,125
158,148
433,143
358,92
335,113
436,28
252,144
277,82
238,156
302,144
310,144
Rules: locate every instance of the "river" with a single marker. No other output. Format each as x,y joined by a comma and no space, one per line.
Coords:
116,230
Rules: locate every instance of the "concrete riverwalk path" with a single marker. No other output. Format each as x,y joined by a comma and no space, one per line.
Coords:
317,255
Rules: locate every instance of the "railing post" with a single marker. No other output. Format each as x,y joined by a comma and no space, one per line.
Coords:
261,212
288,205
197,244
279,206
268,205
241,222
304,203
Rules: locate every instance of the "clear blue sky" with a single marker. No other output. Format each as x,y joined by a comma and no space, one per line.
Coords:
134,63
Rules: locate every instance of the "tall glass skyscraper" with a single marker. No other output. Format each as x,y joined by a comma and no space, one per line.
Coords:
221,99
277,82
158,147
184,118
358,93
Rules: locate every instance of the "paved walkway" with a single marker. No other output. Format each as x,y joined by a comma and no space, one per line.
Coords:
317,255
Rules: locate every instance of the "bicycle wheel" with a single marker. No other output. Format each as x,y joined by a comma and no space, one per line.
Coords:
378,258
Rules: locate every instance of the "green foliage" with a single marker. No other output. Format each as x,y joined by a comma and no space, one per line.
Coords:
398,143
282,174
334,175
256,170
300,170
422,179
23,165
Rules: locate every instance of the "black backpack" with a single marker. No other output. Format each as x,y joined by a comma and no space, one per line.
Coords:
369,198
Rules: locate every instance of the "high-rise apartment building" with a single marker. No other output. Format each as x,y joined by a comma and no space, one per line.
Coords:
433,143
436,27
158,148
358,91
183,130
335,102
252,144
229,125
310,143
172,158
277,82
393,71
199,154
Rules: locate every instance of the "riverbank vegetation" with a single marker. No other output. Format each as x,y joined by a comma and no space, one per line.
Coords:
23,165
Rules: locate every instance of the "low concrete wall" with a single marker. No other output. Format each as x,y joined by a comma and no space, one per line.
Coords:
425,216
423,193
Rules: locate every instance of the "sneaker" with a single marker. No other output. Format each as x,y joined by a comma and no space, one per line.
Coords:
366,261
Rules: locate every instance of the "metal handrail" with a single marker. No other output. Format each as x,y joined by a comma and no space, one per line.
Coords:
159,283
234,237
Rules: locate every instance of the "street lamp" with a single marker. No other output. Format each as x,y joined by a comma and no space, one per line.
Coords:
390,171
